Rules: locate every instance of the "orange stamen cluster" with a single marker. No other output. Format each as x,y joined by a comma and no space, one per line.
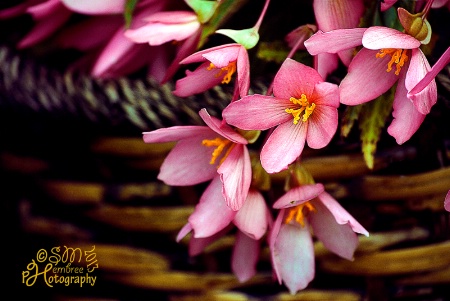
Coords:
219,144
230,69
398,57
305,108
298,213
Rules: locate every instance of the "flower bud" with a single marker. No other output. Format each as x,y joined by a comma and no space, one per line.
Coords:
415,25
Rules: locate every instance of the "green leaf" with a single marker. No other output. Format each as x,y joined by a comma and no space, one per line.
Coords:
272,51
351,114
372,119
203,8
224,11
130,5
246,37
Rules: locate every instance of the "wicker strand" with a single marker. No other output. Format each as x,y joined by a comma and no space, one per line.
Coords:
143,103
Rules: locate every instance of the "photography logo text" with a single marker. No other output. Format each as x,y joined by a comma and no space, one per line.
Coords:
63,266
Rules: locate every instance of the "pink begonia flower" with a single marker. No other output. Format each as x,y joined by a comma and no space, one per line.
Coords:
218,65
201,153
304,108
332,15
95,7
212,217
447,201
290,240
388,56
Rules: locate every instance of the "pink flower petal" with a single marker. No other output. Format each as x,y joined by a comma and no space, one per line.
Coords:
341,216
222,55
245,257
284,146
338,14
326,63
198,245
183,232
252,218
366,78
294,79
257,112
340,239
243,72
386,4
236,175
334,41
322,126
378,37
407,119
293,256
176,133
211,214
221,128
299,195
172,17
418,68
196,81
43,10
92,7
447,201
188,163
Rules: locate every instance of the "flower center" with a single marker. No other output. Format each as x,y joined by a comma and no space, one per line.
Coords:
219,144
305,108
229,69
298,213
398,57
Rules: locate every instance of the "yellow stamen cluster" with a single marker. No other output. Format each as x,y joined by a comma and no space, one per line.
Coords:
398,57
230,69
298,213
305,108
219,144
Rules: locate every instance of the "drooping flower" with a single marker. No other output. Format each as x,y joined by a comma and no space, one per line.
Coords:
201,153
211,219
304,108
218,65
388,56
291,244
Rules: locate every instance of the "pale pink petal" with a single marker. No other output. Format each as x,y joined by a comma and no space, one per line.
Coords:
299,195
273,234
211,214
245,257
294,79
437,67
183,232
221,128
136,58
293,256
366,78
339,239
379,37
284,146
407,119
326,63
299,35
334,41
236,175
418,68
341,216
338,14
252,218
243,72
176,133
172,17
439,3
196,81
95,7
325,94
447,201
257,112
222,55
160,33
322,126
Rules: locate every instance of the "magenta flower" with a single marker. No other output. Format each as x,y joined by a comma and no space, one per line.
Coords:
447,201
218,65
291,244
304,109
201,153
211,219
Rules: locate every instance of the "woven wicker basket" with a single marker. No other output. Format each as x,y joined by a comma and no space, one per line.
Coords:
76,173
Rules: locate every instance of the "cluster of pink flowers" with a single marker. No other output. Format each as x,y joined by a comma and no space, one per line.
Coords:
299,108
